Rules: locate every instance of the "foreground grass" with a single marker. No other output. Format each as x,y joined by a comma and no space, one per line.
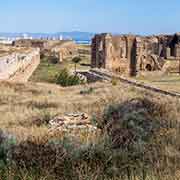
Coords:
22,104
138,136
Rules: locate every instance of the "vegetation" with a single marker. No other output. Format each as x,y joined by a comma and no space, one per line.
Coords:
170,82
65,79
114,81
138,136
87,91
76,60
50,66
53,59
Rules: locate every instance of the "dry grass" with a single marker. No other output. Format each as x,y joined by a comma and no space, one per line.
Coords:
26,108
21,104
170,82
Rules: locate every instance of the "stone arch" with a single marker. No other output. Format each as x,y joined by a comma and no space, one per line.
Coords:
148,62
148,67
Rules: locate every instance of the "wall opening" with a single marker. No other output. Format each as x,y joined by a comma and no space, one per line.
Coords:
148,67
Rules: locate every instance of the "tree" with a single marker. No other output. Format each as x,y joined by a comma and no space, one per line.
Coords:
76,60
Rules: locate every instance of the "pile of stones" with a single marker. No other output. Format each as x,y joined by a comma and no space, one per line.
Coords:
78,121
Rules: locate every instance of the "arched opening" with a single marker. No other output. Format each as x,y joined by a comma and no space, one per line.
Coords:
100,65
148,67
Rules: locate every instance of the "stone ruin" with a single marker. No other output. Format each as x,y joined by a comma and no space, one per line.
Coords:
67,49
131,54
60,49
13,60
73,121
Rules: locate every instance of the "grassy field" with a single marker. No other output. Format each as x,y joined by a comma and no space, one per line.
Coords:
109,154
137,133
21,102
46,71
170,82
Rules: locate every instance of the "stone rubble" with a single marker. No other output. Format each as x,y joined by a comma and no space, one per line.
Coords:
78,121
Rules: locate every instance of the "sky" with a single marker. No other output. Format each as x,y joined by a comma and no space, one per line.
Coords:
116,16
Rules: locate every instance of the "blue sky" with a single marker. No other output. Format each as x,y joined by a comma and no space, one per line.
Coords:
121,16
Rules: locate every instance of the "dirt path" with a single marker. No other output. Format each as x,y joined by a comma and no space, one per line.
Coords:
24,75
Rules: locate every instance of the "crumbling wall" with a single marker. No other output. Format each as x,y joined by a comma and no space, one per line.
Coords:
64,50
112,52
17,61
129,54
61,49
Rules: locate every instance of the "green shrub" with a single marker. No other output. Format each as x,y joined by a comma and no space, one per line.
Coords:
114,81
87,91
63,78
142,130
53,59
6,144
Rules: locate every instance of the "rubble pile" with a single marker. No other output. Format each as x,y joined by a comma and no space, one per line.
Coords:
78,121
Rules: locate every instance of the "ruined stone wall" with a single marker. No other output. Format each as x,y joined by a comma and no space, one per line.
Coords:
112,52
11,62
62,49
35,43
129,54
65,50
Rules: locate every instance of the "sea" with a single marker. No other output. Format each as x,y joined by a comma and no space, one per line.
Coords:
85,42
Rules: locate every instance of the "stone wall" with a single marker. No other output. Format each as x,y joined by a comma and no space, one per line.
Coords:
17,60
130,54
62,49
65,50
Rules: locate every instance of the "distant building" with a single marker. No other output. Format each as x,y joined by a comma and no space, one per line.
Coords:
7,41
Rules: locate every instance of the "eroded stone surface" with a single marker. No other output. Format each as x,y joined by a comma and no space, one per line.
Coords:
73,121
14,60
131,54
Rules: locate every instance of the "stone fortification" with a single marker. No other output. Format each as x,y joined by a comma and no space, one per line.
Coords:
13,60
131,54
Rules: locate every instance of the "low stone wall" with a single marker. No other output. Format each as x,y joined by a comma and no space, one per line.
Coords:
11,63
106,75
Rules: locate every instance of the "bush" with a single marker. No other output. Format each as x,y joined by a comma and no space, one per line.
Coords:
53,59
87,91
139,140
114,81
65,79
145,135
6,144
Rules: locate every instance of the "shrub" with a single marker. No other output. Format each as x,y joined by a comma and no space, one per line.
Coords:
142,130
114,81
42,56
6,144
63,78
53,59
87,91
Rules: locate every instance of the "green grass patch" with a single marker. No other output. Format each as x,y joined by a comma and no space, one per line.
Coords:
47,70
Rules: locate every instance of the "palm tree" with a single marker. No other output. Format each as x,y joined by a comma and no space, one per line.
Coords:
76,60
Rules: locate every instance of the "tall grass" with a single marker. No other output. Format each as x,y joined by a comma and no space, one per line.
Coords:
138,140
138,135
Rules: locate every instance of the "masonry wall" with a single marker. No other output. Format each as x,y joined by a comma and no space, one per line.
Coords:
17,61
112,52
65,50
130,54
